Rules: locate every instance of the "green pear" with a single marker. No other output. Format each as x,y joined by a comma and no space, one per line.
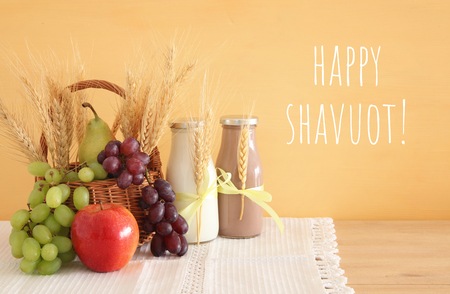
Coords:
95,139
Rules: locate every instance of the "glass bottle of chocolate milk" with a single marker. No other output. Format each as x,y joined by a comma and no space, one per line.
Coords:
239,217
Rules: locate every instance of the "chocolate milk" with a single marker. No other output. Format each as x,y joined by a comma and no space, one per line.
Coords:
230,205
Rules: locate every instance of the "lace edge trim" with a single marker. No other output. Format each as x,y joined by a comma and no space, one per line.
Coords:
327,261
195,270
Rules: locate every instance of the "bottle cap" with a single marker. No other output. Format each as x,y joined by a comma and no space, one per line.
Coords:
238,120
183,123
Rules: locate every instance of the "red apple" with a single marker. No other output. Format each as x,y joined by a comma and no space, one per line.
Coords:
104,237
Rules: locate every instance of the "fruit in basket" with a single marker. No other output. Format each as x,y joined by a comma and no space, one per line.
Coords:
65,192
156,212
95,139
105,236
128,166
54,197
52,224
31,249
38,168
53,176
86,174
149,195
46,267
184,245
129,146
67,256
80,197
158,246
39,234
99,171
39,213
135,166
111,164
124,180
162,218
173,242
49,252
124,161
71,177
64,244
42,234
138,179
64,215
29,266
19,219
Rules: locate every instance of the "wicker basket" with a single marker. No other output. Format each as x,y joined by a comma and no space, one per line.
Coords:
107,190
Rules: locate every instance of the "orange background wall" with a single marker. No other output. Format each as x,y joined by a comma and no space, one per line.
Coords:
264,50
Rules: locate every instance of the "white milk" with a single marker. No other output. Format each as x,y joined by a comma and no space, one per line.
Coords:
180,175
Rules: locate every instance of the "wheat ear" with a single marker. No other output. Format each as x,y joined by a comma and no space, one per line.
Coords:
157,111
68,122
243,162
42,108
15,131
202,142
81,115
128,105
199,171
162,95
58,123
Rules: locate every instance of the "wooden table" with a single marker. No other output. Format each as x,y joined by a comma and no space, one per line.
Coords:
395,256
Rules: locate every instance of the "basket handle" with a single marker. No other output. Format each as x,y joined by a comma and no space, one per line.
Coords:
82,85
97,84
155,159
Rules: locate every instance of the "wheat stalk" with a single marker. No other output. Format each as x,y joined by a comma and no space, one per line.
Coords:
145,94
117,122
137,93
165,100
42,109
81,117
54,109
80,114
128,106
200,166
62,121
201,135
162,96
148,119
199,156
15,131
67,106
142,95
243,162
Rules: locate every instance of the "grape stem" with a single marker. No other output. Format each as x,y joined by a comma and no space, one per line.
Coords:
29,231
146,176
41,186
76,167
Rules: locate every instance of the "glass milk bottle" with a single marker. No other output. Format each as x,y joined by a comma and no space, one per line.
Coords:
180,174
231,224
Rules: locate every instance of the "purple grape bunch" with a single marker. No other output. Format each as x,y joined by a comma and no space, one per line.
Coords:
163,220
124,161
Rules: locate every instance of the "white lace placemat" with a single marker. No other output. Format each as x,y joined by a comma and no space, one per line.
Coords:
302,260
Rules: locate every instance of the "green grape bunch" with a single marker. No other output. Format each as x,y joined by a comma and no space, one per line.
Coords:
40,236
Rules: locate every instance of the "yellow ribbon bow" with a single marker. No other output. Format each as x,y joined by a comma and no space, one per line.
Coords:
197,199
259,197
